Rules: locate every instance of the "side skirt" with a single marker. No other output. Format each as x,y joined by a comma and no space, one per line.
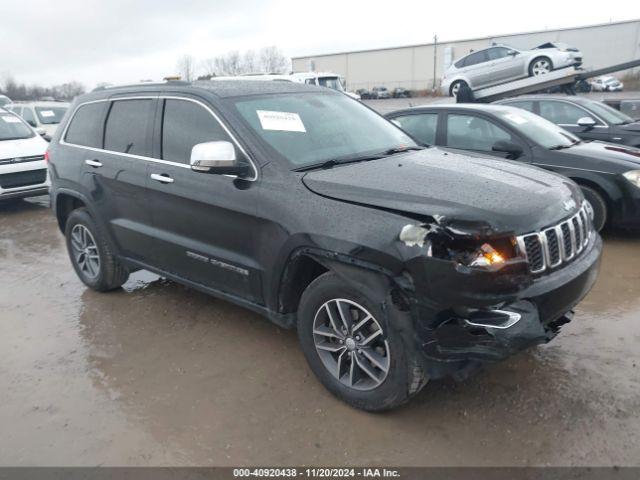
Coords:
283,320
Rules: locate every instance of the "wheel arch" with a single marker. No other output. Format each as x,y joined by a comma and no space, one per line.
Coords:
307,264
606,192
538,57
64,203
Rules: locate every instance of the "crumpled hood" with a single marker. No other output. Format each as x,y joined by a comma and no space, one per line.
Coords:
455,189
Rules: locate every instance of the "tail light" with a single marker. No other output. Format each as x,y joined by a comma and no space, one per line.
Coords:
47,157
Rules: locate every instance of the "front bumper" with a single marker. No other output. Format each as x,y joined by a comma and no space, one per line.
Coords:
456,339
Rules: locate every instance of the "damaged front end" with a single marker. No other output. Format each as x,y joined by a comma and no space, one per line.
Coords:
474,299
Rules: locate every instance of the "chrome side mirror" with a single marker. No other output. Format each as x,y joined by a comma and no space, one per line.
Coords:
217,158
586,122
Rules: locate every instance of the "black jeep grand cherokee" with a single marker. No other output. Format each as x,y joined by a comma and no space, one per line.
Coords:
396,263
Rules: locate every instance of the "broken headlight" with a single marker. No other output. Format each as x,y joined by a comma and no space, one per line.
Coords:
488,254
466,250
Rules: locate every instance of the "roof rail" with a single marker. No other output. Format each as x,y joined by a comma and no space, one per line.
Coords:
139,84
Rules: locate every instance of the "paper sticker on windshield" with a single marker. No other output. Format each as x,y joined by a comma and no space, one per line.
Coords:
47,113
515,118
281,121
10,119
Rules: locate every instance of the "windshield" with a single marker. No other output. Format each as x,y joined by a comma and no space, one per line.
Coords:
12,128
50,115
311,128
610,115
539,130
331,82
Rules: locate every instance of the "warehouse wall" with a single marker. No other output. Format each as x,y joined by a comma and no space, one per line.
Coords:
412,66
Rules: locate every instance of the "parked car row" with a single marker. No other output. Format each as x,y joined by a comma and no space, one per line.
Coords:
379,93
396,262
23,171
43,116
607,173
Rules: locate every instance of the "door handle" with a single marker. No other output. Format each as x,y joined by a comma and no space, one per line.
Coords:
93,163
161,178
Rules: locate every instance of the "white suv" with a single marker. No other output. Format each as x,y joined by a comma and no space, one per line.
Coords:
43,116
23,170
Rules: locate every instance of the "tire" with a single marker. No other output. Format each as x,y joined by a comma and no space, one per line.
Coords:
100,270
455,86
599,206
537,63
394,364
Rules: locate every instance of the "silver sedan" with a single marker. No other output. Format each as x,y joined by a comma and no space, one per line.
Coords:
500,64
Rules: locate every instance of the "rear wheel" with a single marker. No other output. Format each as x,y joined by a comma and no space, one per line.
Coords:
455,87
354,351
598,206
540,66
90,254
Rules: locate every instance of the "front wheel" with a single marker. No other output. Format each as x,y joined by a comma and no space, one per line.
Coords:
540,66
598,206
354,348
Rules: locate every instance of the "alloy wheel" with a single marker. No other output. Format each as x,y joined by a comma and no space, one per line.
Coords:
351,344
541,67
85,251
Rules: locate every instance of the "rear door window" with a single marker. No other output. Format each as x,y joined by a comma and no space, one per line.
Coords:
469,132
86,126
184,125
476,58
127,127
422,127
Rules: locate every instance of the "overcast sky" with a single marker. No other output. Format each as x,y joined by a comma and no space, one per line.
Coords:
92,41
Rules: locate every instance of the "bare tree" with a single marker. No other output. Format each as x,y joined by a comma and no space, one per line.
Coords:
186,67
250,62
266,60
273,61
21,91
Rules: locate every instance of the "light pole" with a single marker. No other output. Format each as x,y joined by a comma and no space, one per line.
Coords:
435,57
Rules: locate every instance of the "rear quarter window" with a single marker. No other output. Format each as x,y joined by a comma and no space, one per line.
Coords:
87,125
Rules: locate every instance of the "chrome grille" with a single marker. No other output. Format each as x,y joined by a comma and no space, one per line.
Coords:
556,245
34,158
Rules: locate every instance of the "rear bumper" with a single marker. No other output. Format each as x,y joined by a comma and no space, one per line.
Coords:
459,339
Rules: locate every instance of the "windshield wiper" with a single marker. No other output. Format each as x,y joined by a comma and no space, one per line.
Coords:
561,147
333,162
360,158
395,150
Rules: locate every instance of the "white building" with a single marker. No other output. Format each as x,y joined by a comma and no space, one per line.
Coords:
412,66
